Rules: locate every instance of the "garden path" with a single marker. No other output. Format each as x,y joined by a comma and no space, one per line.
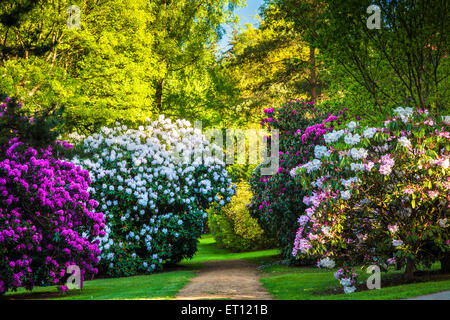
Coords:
445,295
225,279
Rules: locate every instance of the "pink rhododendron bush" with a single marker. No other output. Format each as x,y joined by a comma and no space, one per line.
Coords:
47,220
377,196
278,201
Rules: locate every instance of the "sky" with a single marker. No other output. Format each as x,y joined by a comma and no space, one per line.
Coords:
246,15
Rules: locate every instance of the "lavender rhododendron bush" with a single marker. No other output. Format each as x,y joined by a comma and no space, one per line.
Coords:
47,219
377,196
278,201
154,184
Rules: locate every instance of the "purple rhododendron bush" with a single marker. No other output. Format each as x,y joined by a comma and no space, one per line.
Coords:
47,221
377,196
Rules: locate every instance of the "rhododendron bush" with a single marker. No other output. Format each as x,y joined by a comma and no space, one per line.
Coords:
47,220
154,184
377,196
278,201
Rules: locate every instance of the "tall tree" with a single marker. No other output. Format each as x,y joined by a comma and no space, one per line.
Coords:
183,31
303,16
129,60
401,63
269,65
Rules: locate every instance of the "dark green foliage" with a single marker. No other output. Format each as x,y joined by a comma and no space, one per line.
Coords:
35,129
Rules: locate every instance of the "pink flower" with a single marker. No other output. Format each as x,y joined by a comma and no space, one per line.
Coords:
408,190
393,228
369,165
433,194
385,170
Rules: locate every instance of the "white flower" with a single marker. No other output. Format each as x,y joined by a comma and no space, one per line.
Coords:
357,166
397,243
326,263
358,154
404,113
345,195
352,125
404,142
369,132
446,120
345,282
347,183
443,223
312,165
293,172
333,136
349,289
352,139
326,231
321,151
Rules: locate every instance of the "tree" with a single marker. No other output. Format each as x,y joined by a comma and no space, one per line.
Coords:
131,59
183,31
268,65
402,63
302,16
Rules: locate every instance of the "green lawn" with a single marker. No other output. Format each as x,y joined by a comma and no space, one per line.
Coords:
281,281
301,283
207,251
163,285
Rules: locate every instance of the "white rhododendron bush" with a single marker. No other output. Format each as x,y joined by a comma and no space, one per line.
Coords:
378,196
154,184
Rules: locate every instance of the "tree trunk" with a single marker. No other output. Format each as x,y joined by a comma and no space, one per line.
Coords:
409,272
159,94
313,77
445,264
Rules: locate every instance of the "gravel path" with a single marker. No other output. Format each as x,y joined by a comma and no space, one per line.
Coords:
226,279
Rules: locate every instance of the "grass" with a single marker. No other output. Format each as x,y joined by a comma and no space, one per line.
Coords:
163,285
302,283
283,282
207,251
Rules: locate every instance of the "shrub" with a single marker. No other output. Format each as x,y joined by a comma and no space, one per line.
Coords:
278,202
47,221
234,228
378,196
154,184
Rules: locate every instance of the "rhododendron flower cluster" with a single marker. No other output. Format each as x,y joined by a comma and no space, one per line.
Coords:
47,219
347,279
154,184
326,263
382,194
